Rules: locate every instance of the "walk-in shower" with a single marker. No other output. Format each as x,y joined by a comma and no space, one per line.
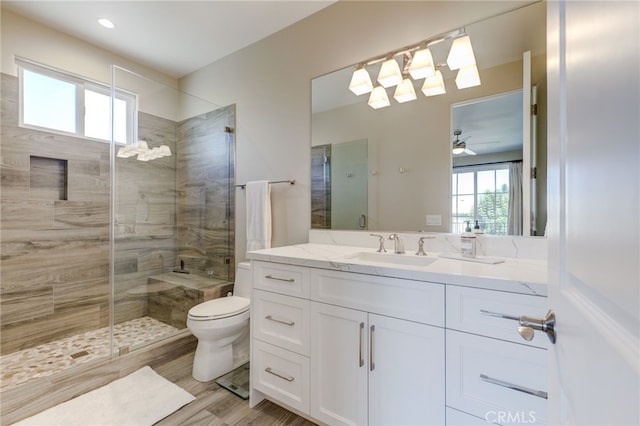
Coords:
92,229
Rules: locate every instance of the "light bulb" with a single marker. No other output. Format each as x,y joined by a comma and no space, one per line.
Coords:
468,77
461,53
378,98
360,82
422,65
390,74
434,85
405,91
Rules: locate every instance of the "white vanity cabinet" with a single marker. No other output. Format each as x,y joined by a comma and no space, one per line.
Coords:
376,370
280,333
377,350
493,374
352,348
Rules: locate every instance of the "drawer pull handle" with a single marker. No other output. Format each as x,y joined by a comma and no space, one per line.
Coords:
499,315
360,355
287,378
538,393
271,277
289,323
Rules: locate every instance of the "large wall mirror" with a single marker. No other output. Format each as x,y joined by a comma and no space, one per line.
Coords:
393,168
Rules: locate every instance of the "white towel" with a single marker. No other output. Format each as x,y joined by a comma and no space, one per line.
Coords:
258,215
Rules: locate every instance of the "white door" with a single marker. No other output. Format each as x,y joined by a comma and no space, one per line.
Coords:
339,352
594,194
406,372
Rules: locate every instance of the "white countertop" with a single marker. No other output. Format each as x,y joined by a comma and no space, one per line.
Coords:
517,275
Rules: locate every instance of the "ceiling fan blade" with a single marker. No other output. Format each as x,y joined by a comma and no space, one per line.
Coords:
485,143
469,152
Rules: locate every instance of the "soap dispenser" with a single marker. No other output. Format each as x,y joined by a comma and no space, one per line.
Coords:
468,242
476,229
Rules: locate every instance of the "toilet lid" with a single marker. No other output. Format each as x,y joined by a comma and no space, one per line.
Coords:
219,308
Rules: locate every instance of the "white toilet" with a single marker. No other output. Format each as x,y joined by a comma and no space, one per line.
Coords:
222,325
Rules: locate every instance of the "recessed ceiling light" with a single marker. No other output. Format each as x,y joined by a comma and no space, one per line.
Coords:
106,23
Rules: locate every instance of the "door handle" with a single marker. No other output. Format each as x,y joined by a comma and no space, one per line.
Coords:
372,363
546,324
528,325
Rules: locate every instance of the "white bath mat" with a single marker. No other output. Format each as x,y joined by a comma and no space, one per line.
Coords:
140,399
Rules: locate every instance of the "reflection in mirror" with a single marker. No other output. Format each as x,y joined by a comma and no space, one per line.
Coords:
409,144
340,175
486,181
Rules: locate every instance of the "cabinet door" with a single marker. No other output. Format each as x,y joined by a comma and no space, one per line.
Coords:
339,368
406,372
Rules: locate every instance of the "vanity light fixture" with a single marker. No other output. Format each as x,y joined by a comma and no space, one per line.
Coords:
390,74
461,53
468,77
417,63
405,91
106,23
361,81
422,65
378,98
434,85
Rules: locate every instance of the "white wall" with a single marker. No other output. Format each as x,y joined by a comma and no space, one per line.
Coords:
31,40
270,82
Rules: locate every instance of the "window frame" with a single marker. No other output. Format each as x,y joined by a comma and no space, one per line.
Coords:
475,169
82,84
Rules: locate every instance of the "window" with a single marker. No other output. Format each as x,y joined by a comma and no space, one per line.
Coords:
480,193
62,103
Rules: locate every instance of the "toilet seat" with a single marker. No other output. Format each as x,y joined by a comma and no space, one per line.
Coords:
222,307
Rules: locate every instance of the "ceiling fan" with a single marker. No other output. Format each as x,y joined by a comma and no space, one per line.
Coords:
460,146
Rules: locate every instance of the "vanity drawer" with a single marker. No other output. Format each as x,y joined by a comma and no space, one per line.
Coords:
475,311
281,375
281,320
458,418
405,299
488,377
284,279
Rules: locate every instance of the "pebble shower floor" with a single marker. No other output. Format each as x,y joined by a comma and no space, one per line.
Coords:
49,358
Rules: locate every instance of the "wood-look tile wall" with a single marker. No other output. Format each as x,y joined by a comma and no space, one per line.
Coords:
206,195
55,244
320,187
145,218
54,230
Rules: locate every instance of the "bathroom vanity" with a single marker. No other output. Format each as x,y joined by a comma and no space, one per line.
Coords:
348,336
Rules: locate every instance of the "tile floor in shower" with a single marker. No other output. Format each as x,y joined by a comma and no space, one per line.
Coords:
49,358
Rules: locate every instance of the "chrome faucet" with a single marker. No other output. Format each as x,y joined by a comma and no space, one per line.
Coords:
381,249
420,251
398,247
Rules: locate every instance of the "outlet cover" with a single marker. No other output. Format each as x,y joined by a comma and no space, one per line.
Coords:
434,220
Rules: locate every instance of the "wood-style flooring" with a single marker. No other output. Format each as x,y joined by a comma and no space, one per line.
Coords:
216,406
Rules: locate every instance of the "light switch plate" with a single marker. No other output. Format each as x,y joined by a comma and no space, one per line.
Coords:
434,220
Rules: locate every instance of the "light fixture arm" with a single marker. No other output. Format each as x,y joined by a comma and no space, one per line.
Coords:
410,49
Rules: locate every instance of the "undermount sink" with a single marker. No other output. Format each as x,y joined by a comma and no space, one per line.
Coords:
394,259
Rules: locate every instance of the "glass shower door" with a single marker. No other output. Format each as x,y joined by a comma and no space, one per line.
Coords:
172,210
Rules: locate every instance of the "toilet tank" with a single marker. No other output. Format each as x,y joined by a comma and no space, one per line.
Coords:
242,286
